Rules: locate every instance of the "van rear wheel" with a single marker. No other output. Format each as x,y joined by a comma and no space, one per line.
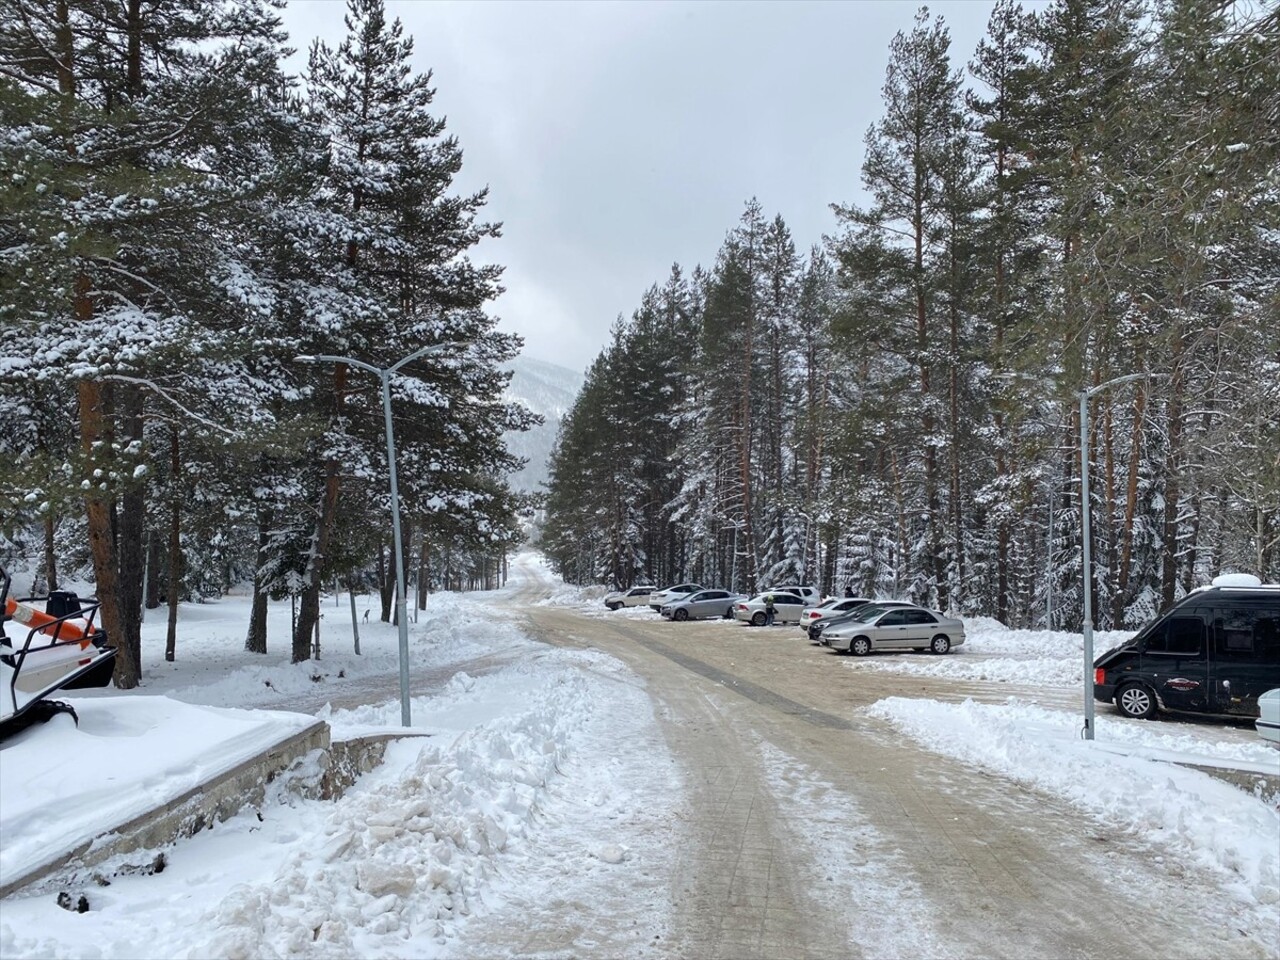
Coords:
1136,701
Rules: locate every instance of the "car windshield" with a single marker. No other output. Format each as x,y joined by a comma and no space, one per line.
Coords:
869,612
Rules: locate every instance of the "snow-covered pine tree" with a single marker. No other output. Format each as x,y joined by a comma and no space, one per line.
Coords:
391,172
897,236
118,186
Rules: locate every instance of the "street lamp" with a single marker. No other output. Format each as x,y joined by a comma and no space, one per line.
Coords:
1087,571
384,375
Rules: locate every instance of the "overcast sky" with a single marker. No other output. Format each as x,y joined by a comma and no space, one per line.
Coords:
619,138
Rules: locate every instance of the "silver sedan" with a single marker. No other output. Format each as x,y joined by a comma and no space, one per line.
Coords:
905,628
698,606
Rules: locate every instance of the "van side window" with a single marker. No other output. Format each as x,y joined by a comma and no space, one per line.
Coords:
1249,634
1180,636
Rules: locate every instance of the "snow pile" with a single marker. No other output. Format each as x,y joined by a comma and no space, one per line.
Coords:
407,853
1176,810
79,770
990,636
994,653
568,595
537,779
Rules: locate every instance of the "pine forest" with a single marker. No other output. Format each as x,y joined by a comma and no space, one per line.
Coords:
181,221
1094,195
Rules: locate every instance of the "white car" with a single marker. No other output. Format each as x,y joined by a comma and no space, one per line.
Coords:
660,598
900,628
830,608
1268,722
809,595
787,608
627,598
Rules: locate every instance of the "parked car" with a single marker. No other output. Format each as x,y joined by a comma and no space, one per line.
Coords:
700,605
830,608
1268,722
627,598
787,608
897,628
818,629
809,594
1216,652
660,598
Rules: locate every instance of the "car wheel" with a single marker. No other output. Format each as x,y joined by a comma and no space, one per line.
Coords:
681,614
613,606
757,619
940,644
1136,701
728,614
860,646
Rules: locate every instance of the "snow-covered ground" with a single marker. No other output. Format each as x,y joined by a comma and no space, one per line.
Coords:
544,778
537,780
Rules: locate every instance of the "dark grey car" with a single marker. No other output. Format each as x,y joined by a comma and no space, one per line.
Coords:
701,605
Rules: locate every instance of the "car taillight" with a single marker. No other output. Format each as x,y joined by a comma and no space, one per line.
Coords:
742,606
1099,676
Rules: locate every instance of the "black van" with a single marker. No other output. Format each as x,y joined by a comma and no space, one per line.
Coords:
1213,652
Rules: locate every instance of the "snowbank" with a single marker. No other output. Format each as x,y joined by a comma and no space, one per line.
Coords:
64,785
1178,811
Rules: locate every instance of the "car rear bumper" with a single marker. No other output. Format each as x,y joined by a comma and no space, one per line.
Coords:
1105,692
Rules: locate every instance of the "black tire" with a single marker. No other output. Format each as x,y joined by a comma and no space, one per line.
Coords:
680,614
757,618
859,646
1135,701
613,606
728,614
940,644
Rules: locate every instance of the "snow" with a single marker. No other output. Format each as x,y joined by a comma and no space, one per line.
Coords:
995,653
79,769
541,777
1118,781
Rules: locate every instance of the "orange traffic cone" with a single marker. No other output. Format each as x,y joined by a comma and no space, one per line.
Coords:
67,630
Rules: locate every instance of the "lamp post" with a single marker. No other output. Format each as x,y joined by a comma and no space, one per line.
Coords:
1087,559
384,376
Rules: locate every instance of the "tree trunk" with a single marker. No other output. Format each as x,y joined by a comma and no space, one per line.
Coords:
152,599
1130,504
133,21
50,560
1109,511
957,574
131,531
309,600
102,547
175,545
388,591
424,570
1169,567
256,639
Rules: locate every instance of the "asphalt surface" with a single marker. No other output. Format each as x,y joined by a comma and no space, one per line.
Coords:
811,830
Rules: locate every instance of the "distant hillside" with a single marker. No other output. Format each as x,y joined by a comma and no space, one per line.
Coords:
546,389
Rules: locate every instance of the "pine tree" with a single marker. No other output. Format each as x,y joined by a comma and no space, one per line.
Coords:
122,193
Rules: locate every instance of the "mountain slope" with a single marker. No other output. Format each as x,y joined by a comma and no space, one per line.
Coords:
546,389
